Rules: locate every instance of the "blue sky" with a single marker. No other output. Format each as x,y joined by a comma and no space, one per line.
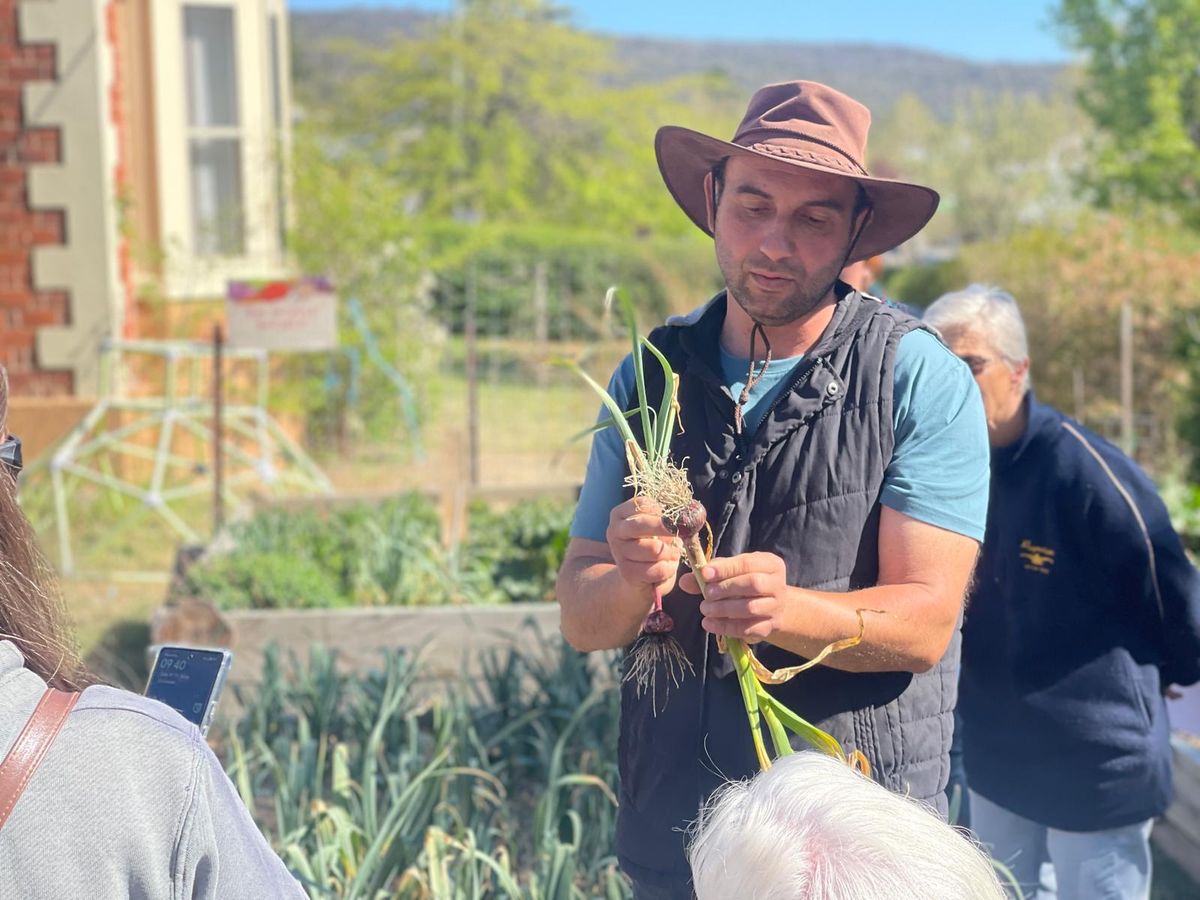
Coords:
1013,30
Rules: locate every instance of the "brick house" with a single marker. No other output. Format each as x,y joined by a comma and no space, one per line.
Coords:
143,148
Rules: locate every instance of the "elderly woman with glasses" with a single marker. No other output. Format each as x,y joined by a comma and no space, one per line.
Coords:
1084,611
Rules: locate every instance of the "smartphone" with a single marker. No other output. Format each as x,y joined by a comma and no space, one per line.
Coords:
189,680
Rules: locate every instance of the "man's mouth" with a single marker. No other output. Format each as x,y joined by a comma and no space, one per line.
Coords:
769,280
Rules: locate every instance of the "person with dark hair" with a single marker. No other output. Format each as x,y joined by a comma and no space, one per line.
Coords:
127,800
841,453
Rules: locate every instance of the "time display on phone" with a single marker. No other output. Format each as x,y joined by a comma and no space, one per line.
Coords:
185,679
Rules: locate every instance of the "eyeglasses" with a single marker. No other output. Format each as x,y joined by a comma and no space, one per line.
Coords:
10,455
978,363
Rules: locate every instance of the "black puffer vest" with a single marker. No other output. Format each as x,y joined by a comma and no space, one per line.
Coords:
805,486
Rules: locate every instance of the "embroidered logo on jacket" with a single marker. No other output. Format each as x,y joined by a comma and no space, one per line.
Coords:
1037,559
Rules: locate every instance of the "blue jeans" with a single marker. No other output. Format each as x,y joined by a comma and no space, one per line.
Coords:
1083,865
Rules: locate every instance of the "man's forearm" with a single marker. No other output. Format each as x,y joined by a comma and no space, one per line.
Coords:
907,627
599,610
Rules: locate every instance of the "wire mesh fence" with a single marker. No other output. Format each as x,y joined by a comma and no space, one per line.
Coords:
476,323
508,405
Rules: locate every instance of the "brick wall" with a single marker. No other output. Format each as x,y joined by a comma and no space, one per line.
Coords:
23,310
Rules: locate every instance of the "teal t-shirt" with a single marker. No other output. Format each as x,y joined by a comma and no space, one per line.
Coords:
939,469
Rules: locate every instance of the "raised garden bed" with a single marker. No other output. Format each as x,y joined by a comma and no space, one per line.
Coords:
452,640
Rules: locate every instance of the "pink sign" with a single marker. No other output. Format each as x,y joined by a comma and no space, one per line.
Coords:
296,314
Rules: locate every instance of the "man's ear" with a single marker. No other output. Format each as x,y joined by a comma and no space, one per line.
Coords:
1019,371
710,201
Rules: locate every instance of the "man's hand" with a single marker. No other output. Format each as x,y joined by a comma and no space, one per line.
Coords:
746,595
913,609
643,548
605,588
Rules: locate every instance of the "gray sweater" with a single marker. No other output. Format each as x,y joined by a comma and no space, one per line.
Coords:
128,802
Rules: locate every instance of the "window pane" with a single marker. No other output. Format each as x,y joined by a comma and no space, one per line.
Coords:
211,61
277,115
276,90
217,228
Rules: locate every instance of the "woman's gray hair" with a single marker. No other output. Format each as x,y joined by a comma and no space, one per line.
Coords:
811,827
988,312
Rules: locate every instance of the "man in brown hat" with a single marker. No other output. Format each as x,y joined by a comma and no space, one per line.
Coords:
841,453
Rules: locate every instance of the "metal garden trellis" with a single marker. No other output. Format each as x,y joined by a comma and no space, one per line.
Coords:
376,357
174,464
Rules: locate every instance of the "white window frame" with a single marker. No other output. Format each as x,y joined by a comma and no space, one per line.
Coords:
201,133
186,274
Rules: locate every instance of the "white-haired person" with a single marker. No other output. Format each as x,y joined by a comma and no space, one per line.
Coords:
1084,611
812,828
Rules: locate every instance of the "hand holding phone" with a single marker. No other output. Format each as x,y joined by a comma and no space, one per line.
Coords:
189,680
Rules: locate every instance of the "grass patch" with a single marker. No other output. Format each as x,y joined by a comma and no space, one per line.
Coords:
95,606
524,436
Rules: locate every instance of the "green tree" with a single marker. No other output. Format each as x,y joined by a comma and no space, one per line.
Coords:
350,224
497,135
998,162
1071,284
504,112
1142,90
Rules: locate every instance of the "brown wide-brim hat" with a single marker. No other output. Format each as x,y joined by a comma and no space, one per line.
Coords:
810,126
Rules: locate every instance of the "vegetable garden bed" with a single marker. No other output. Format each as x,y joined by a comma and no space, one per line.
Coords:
362,576
451,640
504,786
388,552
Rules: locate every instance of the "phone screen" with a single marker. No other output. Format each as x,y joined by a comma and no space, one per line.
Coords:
187,680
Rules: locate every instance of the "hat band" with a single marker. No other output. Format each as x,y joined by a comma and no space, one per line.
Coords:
798,153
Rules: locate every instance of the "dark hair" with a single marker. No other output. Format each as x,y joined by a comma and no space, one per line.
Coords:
32,614
718,174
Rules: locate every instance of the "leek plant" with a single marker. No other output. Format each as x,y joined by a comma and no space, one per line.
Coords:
655,476
383,785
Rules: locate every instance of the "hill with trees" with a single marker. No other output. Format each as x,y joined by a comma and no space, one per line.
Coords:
879,75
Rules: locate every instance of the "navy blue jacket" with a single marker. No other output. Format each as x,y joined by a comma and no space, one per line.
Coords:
1084,609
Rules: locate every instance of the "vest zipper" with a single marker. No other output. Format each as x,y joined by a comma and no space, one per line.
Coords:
804,375
743,447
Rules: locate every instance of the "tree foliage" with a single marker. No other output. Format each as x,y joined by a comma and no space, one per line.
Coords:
1142,90
1071,284
920,284
504,112
350,225
494,138
999,162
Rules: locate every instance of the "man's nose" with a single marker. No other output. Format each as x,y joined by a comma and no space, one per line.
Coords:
776,244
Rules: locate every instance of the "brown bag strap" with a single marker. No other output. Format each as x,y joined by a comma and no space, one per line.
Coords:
31,745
